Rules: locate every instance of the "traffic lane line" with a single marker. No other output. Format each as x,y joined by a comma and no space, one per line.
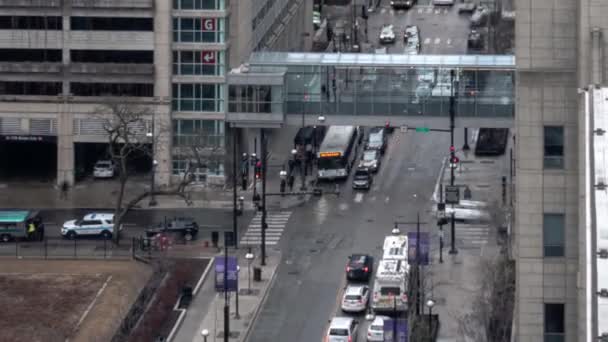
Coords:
334,310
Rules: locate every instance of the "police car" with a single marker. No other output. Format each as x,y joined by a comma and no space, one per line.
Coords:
94,224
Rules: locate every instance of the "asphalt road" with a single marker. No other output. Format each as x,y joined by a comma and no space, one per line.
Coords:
321,235
137,220
442,29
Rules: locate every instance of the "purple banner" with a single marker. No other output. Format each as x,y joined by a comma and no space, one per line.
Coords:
425,247
232,282
395,330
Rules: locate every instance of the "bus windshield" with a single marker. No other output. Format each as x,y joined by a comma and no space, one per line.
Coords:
330,163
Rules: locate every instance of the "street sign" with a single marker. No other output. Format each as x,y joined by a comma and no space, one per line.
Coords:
423,129
425,243
452,194
208,24
403,129
232,276
208,57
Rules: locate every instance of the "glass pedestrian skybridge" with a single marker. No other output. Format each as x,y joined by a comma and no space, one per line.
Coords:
275,87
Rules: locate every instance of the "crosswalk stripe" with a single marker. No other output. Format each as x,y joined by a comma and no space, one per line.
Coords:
267,229
276,223
258,242
437,40
427,41
269,225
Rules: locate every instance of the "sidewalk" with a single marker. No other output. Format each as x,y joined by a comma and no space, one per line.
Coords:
206,310
457,279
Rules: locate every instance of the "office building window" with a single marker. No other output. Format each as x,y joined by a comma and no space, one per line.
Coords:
30,23
112,89
199,133
111,24
200,4
553,235
199,30
199,63
554,322
554,147
200,171
112,56
198,97
30,88
30,55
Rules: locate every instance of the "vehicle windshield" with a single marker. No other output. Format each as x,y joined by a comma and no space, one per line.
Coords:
78,222
369,155
352,297
102,164
361,174
338,332
375,138
390,291
330,163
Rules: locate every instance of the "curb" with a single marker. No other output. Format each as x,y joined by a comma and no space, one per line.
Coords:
262,302
434,196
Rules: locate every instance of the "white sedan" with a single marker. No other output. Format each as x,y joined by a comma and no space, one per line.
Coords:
355,298
387,35
375,332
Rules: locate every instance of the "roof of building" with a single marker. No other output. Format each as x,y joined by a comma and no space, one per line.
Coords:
382,60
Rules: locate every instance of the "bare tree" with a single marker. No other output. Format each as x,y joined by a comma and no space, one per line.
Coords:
125,126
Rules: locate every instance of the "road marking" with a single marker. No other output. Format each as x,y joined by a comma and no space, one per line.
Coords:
343,206
276,221
420,10
437,40
429,10
387,199
437,11
427,41
358,197
449,42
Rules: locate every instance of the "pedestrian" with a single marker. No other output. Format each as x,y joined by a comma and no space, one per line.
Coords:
65,187
31,230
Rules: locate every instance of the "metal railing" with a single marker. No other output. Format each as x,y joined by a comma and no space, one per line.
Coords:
60,248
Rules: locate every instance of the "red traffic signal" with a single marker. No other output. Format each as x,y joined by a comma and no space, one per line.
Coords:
455,160
452,149
257,175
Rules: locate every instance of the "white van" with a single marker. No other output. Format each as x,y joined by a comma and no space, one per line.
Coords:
93,224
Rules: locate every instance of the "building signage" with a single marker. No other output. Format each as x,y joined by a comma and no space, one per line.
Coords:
30,138
208,24
424,244
395,330
329,154
232,279
208,57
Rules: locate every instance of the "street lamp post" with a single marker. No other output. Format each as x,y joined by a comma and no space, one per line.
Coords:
264,226
234,195
283,176
249,256
430,303
226,299
237,315
205,334
152,196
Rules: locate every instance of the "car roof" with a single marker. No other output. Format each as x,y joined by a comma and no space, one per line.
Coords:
98,216
380,320
341,322
358,256
353,290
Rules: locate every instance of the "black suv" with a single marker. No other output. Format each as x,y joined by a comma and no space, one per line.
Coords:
185,226
359,267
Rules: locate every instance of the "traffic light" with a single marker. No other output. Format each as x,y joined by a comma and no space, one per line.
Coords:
364,12
454,160
452,149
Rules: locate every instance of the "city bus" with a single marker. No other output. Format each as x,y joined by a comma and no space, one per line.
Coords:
338,152
13,224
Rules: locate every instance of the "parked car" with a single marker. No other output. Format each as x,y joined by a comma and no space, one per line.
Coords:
359,267
412,47
371,160
375,331
362,179
93,224
467,7
387,34
480,16
342,329
474,41
410,32
355,298
403,4
103,169
185,226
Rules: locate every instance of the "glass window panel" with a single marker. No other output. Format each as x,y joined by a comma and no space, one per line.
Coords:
554,318
553,235
186,126
209,91
186,24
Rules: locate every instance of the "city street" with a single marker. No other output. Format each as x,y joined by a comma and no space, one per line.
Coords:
322,234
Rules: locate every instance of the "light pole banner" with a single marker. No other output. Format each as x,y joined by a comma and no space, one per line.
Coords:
425,246
232,276
395,330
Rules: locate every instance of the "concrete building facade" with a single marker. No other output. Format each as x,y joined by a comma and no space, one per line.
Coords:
61,60
559,48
